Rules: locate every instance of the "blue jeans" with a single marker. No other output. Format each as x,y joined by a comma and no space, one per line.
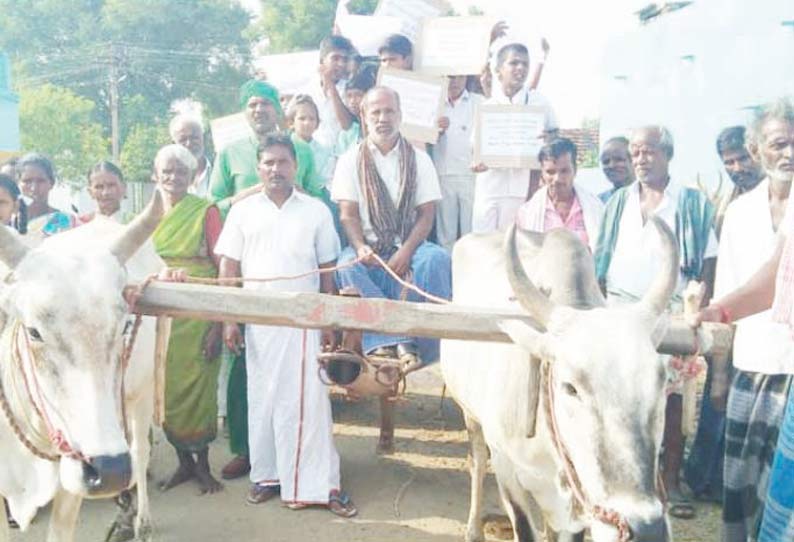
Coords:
431,270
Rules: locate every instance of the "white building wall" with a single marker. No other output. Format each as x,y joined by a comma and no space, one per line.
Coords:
696,71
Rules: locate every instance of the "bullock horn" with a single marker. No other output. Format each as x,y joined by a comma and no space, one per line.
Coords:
537,305
138,231
658,295
12,249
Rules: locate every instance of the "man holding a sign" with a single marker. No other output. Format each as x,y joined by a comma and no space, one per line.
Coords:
502,184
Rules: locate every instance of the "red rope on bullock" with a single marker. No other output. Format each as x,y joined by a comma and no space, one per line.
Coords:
604,515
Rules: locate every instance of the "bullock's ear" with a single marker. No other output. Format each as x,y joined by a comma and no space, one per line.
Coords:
528,338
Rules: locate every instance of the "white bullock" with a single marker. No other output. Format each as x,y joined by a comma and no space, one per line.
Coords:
64,322
589,374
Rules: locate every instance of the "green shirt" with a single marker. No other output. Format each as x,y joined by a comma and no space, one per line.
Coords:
235,170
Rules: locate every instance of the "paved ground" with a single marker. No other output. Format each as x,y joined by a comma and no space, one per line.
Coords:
419,494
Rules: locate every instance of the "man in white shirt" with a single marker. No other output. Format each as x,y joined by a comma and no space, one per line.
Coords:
762,348
499,193
283,232
387,191
328,89
452,156
626,260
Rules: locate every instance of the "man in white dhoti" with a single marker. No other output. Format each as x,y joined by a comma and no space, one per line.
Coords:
283,232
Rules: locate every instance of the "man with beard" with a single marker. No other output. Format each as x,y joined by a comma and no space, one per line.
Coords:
276,232
616,165
387,191
758,396
498,193
234,178
188,131
627,256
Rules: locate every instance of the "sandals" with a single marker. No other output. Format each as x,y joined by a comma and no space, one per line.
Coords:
259,493
679,506
339,503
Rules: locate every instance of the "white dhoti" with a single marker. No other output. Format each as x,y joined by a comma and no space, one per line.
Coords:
494,213
290,428
454,211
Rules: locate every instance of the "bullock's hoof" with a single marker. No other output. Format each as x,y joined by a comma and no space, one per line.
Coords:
474,534
144,532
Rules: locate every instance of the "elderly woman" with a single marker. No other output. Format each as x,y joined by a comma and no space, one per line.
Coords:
36,177
185,239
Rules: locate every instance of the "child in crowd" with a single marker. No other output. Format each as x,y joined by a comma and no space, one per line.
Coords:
13,211
356,88
303,118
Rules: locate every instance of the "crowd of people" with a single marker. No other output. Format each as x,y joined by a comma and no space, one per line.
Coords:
326,190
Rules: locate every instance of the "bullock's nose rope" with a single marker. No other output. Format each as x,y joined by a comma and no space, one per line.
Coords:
604,515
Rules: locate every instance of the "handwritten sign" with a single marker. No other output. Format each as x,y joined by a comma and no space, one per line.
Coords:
411,13
422,100
453,45
509,136
229,129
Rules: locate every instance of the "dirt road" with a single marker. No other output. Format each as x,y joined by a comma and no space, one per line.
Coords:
420,493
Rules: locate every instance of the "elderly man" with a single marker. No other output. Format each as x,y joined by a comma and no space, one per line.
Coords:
280,231
559,203
626,259
188,131
328,90
498,193
757,404
235,177
387,191
616,165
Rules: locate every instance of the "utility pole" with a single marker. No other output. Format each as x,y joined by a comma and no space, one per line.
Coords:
114,103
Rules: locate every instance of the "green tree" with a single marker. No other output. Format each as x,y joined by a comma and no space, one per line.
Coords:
58,123
294,25
140,147
160,50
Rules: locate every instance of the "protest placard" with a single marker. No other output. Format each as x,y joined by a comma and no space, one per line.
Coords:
229,129
411,12
453,45
508,136
422,100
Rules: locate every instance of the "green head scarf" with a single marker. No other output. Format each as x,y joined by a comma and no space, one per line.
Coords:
252,88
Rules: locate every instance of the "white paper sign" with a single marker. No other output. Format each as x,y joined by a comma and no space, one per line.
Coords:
368,32
509,135
229,129
421,101
411,13
453,45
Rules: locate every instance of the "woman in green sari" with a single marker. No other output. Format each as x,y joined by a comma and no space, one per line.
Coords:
186,239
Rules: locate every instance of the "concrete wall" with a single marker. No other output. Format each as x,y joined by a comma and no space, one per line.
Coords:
698,70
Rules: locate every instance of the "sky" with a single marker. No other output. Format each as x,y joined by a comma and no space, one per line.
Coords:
578,32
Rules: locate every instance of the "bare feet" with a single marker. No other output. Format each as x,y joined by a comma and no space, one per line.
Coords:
207,483
182,474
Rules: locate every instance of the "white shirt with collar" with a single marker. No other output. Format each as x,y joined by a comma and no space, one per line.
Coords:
635,260
747,240
271,241
201,187
328,130
453,152
347,186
